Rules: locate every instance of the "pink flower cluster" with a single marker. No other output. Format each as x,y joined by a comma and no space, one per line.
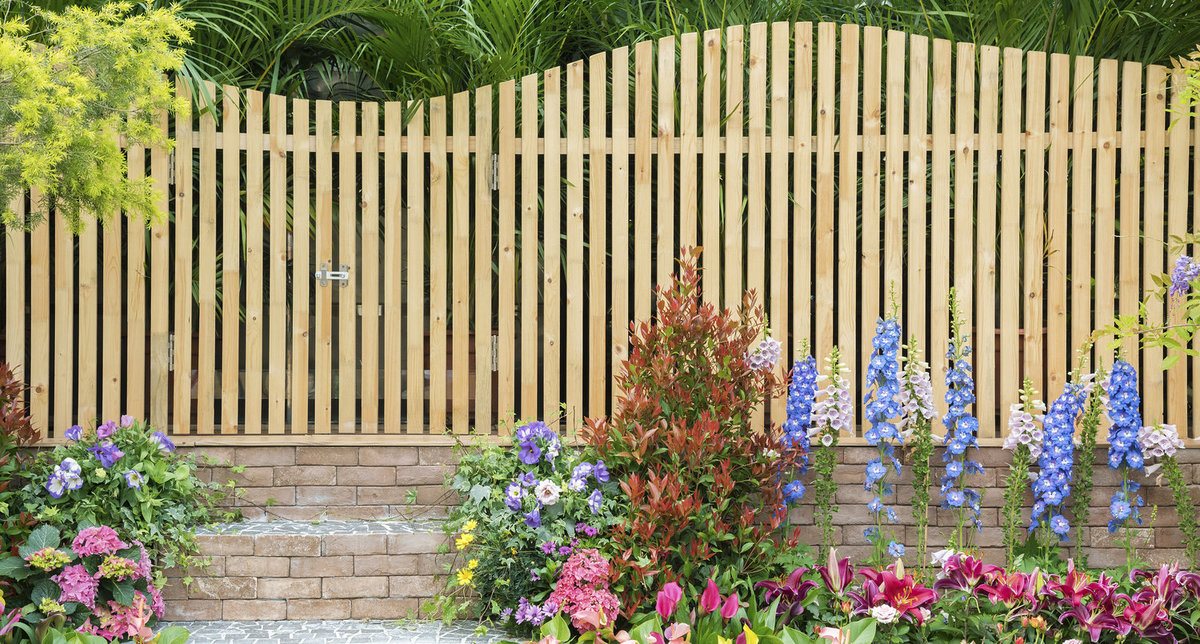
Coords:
582,591
98,540
76,584
120,623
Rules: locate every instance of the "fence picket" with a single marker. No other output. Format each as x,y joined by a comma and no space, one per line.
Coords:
1153,381
664,212
506,172
939,217
574,276
872,245
1083,142
620,209
597,240
231,259
1178,180
985,264
483,255
710,226
370,313
322,260
438,257
846,229
1033,223
552,270
802,193
461,266
823,339
1010,229
302,267
734,163
1103,306
1129,218
643,81
38,370
1057,193
206,302
255,223
531,241
277,318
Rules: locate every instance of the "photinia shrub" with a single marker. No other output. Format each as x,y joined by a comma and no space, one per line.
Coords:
125,475
704,488
16,432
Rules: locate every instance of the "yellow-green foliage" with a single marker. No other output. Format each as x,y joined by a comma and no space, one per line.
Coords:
101,74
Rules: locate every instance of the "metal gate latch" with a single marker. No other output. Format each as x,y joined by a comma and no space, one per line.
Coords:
324,276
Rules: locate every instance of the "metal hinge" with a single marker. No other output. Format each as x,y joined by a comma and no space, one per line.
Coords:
495,353
171,168
495,172
171,352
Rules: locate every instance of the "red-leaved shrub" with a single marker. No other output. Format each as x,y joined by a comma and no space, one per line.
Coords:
704,488
16,432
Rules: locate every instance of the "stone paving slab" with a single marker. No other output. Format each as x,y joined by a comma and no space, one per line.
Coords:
322,528
355,632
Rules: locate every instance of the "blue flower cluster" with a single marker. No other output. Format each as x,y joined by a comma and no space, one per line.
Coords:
528,495
961,429
881,406
1124,450
536,441
802,394
1057,459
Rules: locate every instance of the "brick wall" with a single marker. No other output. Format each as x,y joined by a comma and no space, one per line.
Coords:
307,483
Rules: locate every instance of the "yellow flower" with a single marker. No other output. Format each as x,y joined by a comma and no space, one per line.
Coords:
465,576
473,564
463,541
470,526
751,637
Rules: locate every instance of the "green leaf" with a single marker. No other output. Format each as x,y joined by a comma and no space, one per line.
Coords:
172,635
44,536
557,628
122,592
13,567
862,631
45,589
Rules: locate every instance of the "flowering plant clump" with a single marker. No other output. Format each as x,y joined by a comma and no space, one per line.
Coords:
1160,443
1025,440
882,406
582,593
1052,487
802,394
916,400
99,584
125,475
832,415
1124,451
526,508
702,485
961,428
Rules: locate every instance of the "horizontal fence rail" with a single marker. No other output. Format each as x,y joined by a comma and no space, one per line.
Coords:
340,272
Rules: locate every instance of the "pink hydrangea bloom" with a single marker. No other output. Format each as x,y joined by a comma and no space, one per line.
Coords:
582,591
156,600
76,584
120,623
98,540
142,570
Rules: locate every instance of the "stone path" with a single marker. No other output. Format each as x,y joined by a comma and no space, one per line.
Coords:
321,528
320,632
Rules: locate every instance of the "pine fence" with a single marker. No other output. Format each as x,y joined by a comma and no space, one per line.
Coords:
498,242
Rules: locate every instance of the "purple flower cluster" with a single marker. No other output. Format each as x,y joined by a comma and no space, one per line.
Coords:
67,476
881,406
1183,274
832,412
765,356
106,452
534,615
1124,449
537,441
164,443
802,393
1057,459
961,428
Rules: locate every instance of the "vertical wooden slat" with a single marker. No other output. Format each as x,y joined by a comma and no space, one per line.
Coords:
642,182
756,170
1057,347
597,228
302,267
370,260
231,257
461,276
207,300
347,255
620,212
1152,239
277,321
1129,224
552,270
181,335
823,334
1083,141
15,269
90,402
1178,180
802,215
734,131
1034,223
965,246
872,255
710,233
254,262
160,320
689,89
781,43
848,261
323,260
530,247
112,373
1106,168
893,223
506,172
437,264
483,259
918,102
1010,230
664,222
985,271
393,270
38,370
939,269
64,325
575,341
415,275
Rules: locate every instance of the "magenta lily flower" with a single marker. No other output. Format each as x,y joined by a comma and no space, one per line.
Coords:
710,599
730,607
1094,618
668,599
838,574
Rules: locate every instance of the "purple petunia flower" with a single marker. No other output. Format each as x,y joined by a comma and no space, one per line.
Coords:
600,472
595,501
533,519
164,443
73,433
67,476
134,479
127,420
106,430
107,453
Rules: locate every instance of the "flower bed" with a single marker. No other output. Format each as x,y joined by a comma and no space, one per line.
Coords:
696,546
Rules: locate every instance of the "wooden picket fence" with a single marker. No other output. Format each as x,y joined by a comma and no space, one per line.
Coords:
498,242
